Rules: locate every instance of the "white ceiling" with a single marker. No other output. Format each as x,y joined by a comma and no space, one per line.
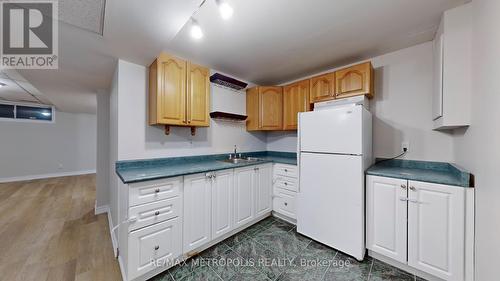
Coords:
270,42
266,42
18,90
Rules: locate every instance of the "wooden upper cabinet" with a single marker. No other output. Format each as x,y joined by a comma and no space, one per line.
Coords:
167,91
295,100
354,81
179,93
264,108
271,108
322,88
198,95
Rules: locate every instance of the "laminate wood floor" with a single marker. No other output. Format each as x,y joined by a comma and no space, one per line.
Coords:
48,231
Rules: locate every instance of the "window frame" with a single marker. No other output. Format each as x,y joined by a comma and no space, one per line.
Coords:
22,120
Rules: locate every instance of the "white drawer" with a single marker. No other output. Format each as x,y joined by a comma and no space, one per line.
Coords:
286,183
284,202
161,242
151,213
151,191
285,170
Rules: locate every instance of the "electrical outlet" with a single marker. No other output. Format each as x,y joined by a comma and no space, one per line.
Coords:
405,145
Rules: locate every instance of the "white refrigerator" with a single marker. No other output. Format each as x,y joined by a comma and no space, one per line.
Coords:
335,149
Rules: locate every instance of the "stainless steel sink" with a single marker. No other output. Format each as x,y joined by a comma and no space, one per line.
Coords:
241,160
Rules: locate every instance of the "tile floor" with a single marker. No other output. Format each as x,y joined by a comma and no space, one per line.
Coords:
273,250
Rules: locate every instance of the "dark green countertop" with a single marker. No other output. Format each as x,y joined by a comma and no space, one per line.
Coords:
149,169
433,172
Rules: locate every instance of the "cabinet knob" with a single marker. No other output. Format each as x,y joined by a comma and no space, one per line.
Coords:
157,213
157,247
157,190
286,204
412,188
286,183
403,186
286,170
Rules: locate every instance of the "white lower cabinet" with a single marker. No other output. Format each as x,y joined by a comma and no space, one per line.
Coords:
263,189
436,229
197,210
285,188
222,203
419,224
386,209
284,202
172,218
154,245
244,195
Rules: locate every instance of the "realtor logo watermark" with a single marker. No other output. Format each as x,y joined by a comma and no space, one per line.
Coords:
29,34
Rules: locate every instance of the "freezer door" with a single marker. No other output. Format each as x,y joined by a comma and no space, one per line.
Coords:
332,131
330,205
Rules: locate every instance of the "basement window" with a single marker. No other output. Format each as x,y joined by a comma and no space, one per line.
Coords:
6,111
17,112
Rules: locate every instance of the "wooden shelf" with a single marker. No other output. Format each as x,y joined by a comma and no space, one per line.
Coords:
227,116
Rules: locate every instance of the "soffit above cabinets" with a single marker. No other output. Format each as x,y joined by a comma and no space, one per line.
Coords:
15,89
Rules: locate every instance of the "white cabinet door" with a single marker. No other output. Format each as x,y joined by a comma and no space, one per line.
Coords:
160,242
436,226
263,189
284,202
222,203
386,214
244,183
197,211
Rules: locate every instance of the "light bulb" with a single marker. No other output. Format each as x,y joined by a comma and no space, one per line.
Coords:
196,31
225,10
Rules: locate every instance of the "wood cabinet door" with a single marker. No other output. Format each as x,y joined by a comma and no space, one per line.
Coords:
436,227
252,97
244,182
295,100
263,189
353,81
222,203
171,94
197,211
386,213
198,95
322,88
271,108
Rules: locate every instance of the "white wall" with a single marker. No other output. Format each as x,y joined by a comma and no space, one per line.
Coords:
477,148
102,165
401,109
138,140
31,150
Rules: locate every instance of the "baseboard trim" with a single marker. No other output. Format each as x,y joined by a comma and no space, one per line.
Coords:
47,176
112,233
101,209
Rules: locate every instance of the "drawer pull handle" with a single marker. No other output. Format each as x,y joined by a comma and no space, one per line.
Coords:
286,183
412,188
157,213
286,170
157,190
403,186
157,247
